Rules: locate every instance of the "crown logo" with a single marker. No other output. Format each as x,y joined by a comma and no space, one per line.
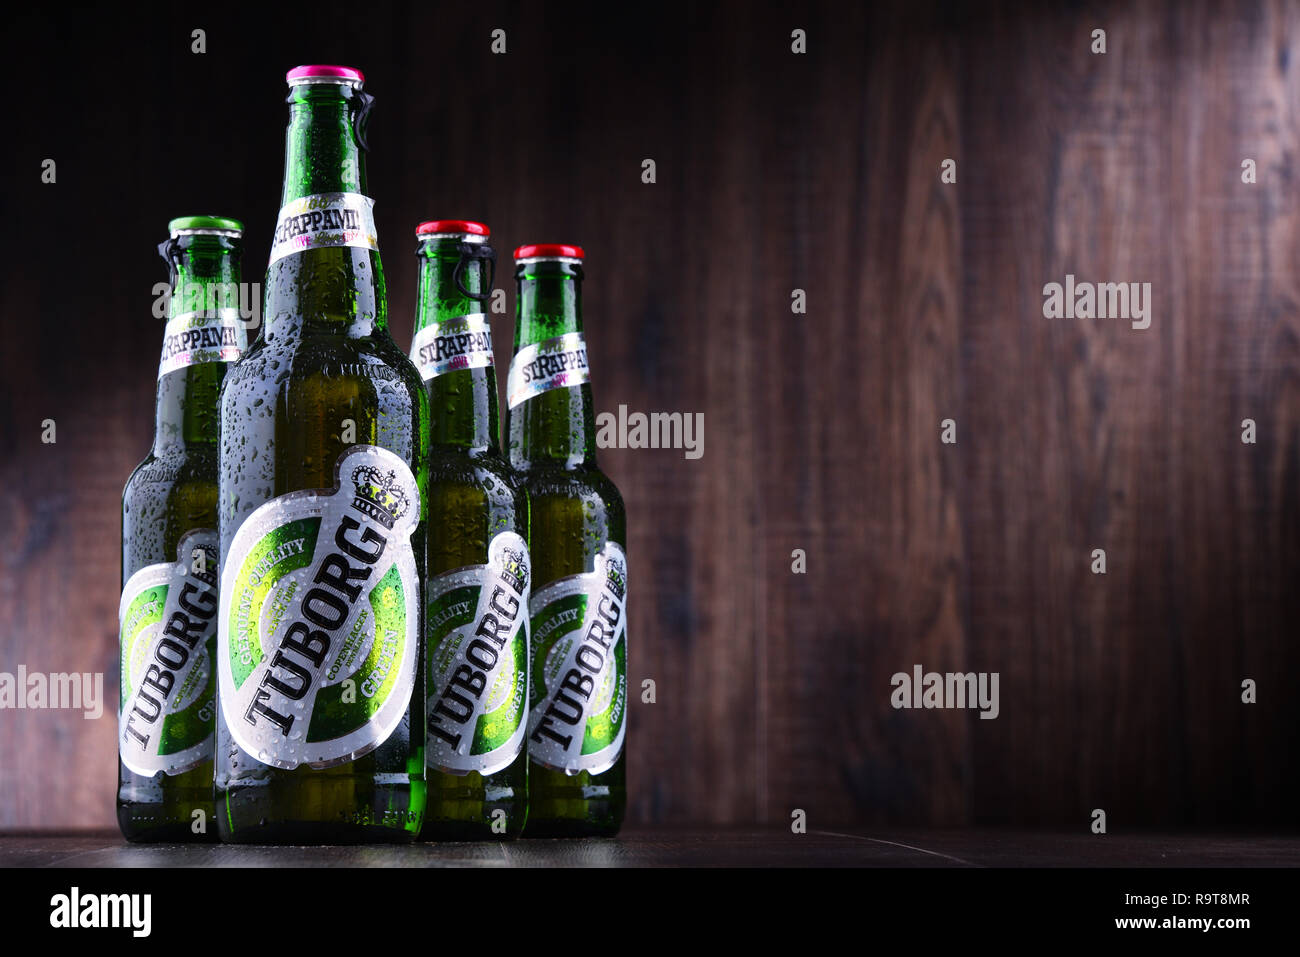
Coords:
514,569
616,578
379,495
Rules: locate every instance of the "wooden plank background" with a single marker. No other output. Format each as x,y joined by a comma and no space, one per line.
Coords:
775,172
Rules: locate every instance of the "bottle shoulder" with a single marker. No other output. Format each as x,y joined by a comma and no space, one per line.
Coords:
458,460
304,352
283,362
173,465
488,474
584,482
167,496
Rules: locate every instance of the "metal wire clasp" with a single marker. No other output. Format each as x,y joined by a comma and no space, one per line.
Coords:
169,250
469,252
361,117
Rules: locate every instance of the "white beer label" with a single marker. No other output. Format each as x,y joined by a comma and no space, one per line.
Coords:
464,342
579,680
196,337
167,624
551,364
318,636
477,639
324,219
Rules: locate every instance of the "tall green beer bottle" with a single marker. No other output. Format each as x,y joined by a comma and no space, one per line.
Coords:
578,609
324,434
476,621
167,615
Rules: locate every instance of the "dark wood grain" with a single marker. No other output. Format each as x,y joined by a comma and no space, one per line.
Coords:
963,849
775,172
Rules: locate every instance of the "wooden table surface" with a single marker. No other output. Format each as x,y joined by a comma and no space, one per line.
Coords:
692,848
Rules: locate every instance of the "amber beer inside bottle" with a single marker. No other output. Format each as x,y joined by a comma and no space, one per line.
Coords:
578,607
169,549
478,581
322,468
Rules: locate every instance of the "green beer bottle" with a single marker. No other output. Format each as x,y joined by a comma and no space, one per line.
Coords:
167,615
476,620
324,447
578,609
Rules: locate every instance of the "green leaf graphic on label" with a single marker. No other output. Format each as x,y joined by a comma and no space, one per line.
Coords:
167,632
557,621
320,606
287,549
579,664
146,610
196,720
603,728
333,716
477,650
496,727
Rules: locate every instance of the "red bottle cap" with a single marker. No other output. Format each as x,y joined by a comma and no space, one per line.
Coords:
459,227
320,73
548,251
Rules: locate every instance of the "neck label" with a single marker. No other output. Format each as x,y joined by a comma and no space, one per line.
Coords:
167,623
318,633
579,668
477,641
322,220
464,342
196,337
550,364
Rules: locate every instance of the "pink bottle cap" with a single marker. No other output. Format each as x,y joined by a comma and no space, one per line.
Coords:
319,73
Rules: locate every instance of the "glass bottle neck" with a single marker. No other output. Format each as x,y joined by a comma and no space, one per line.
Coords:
556,427
463,401
206,278
323,152
207,274
331,288
550,301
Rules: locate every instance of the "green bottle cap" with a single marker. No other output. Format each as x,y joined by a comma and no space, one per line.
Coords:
210,225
